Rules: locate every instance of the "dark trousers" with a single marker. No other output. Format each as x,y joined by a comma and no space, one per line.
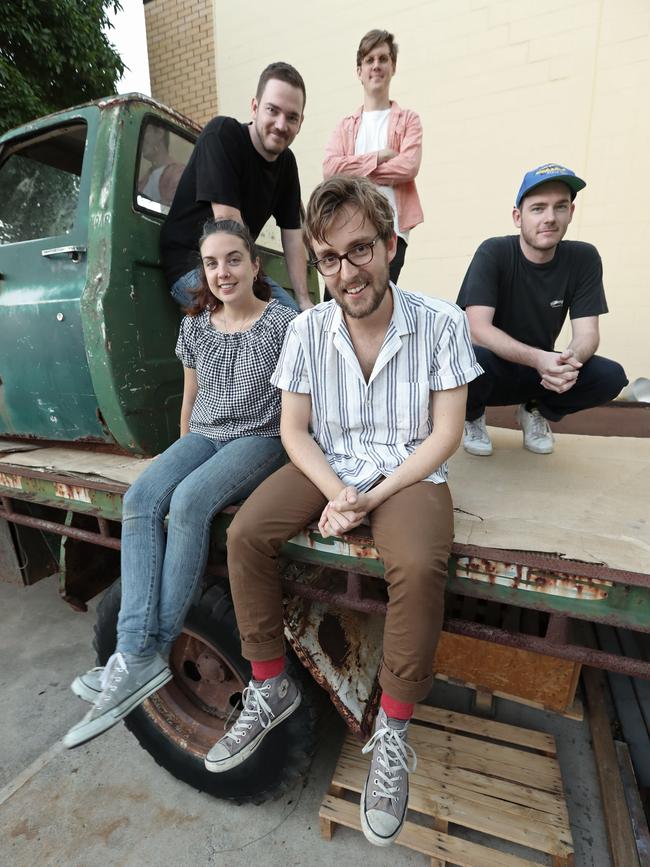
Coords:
395,266
398,262
505,383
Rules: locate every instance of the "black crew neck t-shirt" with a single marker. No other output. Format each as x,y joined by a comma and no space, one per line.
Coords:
226,168
532,301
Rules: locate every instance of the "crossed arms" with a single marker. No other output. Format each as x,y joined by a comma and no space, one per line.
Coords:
385,167
347,507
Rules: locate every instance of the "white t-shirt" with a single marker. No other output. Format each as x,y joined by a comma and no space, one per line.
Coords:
373,136
152,187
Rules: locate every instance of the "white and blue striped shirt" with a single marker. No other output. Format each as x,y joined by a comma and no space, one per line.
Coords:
367,429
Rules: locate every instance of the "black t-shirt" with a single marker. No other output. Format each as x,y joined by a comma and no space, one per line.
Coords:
226,168
531,301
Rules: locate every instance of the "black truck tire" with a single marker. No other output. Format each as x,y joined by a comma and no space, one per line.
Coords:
186,717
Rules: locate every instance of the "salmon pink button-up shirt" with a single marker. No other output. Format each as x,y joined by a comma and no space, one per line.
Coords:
404,137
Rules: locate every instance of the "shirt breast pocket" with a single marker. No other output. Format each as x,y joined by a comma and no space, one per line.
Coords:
413,410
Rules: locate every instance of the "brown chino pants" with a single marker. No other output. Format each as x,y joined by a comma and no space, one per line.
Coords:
413,532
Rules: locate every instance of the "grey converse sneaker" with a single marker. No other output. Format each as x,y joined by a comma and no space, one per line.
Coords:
386,792
88,686
126,682
476,439
537,432
266,704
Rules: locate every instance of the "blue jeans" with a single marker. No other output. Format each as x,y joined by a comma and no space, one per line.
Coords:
193,480
181,290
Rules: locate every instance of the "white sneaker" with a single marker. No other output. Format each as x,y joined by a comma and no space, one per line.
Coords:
477,440
538,437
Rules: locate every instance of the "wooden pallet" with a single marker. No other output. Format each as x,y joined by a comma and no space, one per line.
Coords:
498,779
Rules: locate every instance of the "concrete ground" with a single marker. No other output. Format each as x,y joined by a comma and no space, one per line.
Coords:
108,803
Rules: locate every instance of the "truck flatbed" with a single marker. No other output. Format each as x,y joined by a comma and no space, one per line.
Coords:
587,502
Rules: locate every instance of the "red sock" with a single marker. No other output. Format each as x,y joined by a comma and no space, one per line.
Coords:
396,709
267,668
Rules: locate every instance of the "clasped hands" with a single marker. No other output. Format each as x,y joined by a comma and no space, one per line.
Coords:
345,512
559,371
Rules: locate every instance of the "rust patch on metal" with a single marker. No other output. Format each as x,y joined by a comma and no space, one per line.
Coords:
554,563
360,547
333,639
519,577
342,652
72,492
102,421
13,482
8,514
549,647
126,98
111,487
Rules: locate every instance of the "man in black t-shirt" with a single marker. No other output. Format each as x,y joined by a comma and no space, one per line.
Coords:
243,172
517,292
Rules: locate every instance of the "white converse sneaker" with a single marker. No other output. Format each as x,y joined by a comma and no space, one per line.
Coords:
476,440
386,793
537,432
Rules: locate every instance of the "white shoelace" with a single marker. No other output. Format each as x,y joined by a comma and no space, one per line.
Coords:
539,425
394,754
475,430
255,709
113,672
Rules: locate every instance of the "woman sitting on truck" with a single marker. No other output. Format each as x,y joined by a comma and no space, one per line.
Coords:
229,344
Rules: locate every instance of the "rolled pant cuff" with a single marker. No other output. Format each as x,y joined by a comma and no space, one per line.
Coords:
410,691
256,652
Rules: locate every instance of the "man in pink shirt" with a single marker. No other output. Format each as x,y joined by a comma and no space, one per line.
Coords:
380,140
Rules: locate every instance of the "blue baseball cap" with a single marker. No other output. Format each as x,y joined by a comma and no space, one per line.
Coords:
549,172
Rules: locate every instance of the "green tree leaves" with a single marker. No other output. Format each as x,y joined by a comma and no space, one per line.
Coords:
53,55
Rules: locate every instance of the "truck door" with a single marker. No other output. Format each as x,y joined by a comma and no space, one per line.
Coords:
45,390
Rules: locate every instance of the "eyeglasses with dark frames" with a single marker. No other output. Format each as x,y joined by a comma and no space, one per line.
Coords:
359,255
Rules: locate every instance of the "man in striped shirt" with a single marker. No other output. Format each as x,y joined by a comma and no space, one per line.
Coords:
373,402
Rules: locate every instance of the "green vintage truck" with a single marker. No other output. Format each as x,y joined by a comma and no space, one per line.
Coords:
90,389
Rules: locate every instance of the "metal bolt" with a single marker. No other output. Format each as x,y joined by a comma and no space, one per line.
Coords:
60,317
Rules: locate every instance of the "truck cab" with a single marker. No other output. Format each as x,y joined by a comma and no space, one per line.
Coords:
87,325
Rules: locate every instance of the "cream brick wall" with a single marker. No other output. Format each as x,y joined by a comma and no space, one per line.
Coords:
180,44
501,87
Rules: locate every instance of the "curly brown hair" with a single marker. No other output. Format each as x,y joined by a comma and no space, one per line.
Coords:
203,297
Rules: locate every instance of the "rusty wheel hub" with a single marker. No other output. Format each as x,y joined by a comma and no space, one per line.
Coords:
193,708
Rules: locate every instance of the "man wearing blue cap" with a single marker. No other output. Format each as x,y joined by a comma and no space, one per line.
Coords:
517,293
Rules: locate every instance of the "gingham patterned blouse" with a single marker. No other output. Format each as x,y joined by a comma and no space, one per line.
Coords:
367,429
235,397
